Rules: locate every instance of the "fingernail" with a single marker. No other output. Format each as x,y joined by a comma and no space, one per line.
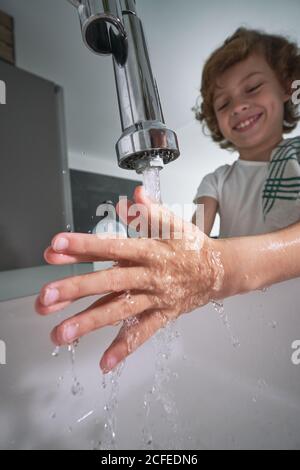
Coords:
60,244
110,363
50,297
71,332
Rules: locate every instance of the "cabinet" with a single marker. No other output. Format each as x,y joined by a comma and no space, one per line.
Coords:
35,197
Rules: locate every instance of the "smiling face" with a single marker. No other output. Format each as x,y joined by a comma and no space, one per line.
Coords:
249,105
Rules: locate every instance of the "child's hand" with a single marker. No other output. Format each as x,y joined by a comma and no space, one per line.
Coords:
165,278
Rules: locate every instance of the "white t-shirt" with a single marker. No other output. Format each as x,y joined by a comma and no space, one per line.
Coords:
257,197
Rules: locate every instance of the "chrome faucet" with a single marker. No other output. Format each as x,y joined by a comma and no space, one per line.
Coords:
112,27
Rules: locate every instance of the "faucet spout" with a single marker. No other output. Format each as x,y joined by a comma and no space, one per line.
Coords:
113,27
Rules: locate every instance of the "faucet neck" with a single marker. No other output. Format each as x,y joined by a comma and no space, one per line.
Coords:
113,27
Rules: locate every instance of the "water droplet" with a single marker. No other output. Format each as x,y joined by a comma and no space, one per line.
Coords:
55,353
103,382
264,289
235,343
87,415
218,306
262,383
59,381
77,389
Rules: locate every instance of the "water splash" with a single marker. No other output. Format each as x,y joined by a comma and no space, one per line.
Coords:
260,389
56,352
219,308
111,385
59,381
146,430
76,388
132,336
151,182
162,342
84,417
264,289
160,393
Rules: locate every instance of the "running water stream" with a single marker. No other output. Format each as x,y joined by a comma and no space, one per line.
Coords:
159,395
219,308
163,343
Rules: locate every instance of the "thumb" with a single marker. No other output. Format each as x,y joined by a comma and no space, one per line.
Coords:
160,216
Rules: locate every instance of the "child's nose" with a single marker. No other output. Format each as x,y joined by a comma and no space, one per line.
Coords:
238,108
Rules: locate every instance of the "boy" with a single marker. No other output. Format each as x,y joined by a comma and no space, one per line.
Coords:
247,106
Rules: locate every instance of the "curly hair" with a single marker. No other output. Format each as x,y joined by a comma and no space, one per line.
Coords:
282,55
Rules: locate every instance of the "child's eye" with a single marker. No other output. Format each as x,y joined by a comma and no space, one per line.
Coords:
223,106
254,88
247,91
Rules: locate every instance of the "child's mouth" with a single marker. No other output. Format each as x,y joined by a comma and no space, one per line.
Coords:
248,124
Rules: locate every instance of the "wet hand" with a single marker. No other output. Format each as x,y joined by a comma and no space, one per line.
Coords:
152,282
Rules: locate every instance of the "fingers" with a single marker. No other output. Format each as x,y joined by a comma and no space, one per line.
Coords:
52,257
59,294
107,311
93,247
163,223
42,310
131,337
